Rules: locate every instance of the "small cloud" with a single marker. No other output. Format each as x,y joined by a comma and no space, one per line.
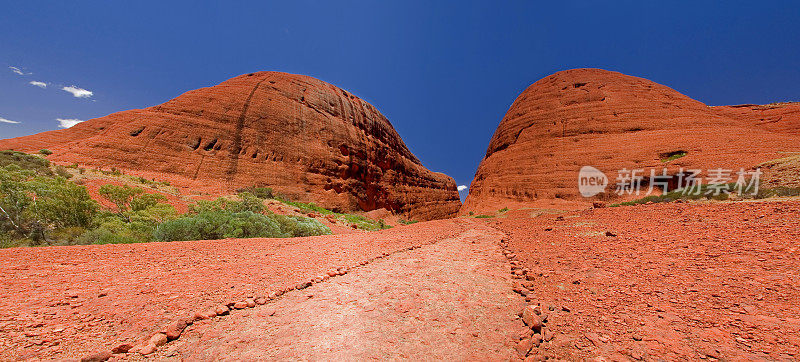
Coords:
67,123
78,92
462,187
19,71
38,84
3,120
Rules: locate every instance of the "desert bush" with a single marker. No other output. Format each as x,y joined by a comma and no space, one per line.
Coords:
260,192
212,225
33,206
61,171
25,161
365,223
45,152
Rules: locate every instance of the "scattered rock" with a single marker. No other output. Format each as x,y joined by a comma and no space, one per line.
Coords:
122,348
148,349
221,310
261,301
158,339
524,346
531,319
250,303
97,357
240,305
608,233
174,329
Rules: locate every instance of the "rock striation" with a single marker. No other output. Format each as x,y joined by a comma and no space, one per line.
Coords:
612,121
303,137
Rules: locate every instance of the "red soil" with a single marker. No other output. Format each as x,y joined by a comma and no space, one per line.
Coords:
677,281
593,117
65,302
303,137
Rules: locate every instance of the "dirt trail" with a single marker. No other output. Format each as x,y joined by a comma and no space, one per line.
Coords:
445,301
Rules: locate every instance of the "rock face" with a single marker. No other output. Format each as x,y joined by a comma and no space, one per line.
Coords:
303,137
611,121
778,117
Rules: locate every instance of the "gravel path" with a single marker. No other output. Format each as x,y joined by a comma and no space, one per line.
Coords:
447,301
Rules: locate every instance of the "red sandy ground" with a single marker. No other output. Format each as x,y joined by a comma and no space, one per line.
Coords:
672,281
66,302
679,281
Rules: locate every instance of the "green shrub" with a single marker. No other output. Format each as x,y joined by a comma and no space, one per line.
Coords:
407,222
35,207
25,161
671,156
45,152
61,171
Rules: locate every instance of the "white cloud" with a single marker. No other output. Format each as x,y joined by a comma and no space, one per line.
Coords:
67,123
462,187
3,120
78,92
19,71
38,84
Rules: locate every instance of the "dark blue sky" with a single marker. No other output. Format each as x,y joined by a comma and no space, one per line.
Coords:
444,72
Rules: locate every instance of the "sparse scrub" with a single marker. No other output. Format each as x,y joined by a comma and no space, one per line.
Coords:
671,156
260,192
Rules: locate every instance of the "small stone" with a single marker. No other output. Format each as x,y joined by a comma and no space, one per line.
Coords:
333,273
610,234
97,357
536,340
524,346
240,305
531,319
270,311
174,329
122,348
221,310
189,319
158,339
261,301
148,349
250,303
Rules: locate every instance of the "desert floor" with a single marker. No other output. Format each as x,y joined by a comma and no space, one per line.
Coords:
674,281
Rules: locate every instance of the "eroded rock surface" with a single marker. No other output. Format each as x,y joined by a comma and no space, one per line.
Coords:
305,138
612,121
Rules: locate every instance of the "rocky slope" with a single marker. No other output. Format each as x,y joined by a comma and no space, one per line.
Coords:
612,121
305,138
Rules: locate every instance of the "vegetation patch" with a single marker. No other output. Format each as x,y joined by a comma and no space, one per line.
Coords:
707,192
672,156
39,205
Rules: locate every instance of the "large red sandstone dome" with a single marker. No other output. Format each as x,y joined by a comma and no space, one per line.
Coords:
303,137
613,121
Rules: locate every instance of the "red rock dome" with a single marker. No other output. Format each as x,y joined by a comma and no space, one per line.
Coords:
593,117
301,136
